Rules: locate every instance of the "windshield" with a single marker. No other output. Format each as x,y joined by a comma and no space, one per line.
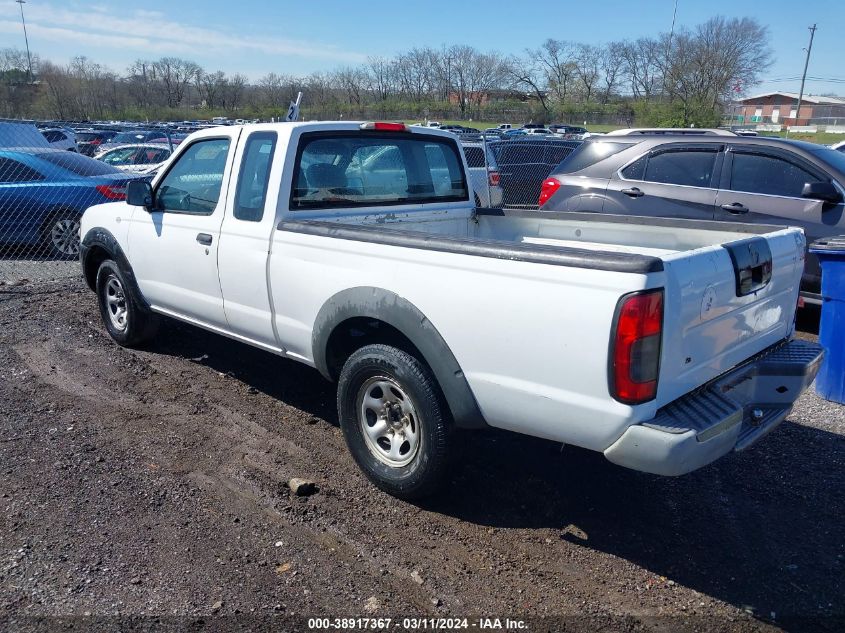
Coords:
129,137
78,164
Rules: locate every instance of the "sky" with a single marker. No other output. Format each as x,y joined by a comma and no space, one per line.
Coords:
254,37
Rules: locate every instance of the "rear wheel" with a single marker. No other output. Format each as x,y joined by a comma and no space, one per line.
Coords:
394,420
60,235
124,315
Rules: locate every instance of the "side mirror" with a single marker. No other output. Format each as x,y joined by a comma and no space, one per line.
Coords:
139,193
824,191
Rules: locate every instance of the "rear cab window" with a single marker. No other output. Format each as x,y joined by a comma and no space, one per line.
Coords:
349,169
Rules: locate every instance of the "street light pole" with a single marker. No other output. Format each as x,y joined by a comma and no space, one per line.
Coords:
804,76
26,39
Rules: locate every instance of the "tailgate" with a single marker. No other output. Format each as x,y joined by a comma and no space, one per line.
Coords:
726,303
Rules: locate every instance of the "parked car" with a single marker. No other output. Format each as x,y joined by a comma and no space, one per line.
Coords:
538,131
839,147
514,133
564,129
43,193
524,164
88,142
139,158
60,138
483,174
128,137
303,248
751,179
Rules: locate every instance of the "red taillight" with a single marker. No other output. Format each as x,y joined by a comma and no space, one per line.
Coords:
493,178
550,185
635,351
384,126
112,192
95,141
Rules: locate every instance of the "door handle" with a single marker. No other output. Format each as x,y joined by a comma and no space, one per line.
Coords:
737,208
633,192
204,239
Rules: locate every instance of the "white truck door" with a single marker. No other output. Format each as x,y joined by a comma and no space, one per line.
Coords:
246,236
173,248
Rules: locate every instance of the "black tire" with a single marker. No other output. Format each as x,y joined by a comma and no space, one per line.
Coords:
114,294
430,462
60,235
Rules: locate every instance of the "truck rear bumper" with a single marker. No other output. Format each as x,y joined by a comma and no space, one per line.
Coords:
730,413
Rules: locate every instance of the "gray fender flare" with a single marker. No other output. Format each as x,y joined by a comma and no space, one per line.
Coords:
390,308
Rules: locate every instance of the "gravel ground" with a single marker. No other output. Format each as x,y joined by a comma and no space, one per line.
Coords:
152,485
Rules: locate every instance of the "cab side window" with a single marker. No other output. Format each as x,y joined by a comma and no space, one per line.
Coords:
764,173
254,175
192,185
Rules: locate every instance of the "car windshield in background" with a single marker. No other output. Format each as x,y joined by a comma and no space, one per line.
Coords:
832,157
589,154
384,169
130,137
80,165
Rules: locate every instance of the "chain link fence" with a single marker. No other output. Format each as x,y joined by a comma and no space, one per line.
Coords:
47,182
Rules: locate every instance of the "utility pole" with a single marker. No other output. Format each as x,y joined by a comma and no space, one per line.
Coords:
26,39
804,76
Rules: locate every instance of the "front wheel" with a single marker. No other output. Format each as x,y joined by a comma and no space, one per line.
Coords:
394,420
125,318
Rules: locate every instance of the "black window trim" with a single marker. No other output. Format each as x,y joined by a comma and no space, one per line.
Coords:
715,178
307,137
769,152
232,141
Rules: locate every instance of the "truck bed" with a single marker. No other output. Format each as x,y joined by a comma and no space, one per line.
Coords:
588,262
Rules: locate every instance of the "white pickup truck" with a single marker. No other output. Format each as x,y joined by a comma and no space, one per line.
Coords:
357,249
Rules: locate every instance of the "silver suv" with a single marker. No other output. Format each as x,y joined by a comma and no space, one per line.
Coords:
707,177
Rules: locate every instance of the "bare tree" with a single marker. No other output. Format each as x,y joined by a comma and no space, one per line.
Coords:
353,82
176,75
703,65
612,67
416,72
382,77
587,69
210,87
233,91
643,65
558,59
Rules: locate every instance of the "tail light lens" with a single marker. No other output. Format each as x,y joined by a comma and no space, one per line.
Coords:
550,186
635,348
494,178
112,192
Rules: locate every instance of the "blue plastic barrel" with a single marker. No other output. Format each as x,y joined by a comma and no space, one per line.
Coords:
830,382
